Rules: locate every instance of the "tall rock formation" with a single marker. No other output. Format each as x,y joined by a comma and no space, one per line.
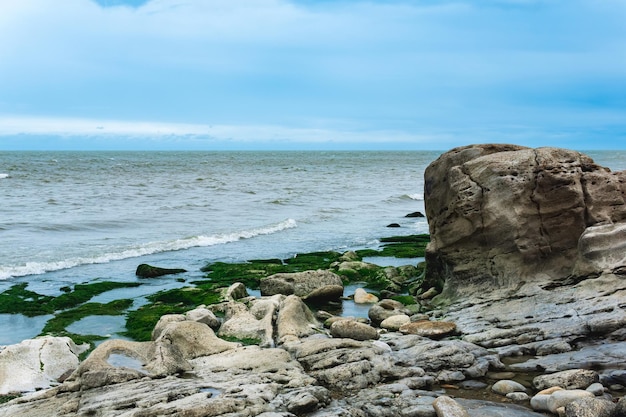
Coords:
500,215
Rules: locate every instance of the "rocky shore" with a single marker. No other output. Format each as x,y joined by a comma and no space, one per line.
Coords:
521,312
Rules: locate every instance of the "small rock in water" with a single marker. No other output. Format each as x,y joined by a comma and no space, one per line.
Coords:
415,214
507,386
149,271
363,297
393,225
394,323
596,389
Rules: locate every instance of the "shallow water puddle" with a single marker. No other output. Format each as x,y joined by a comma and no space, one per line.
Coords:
124,361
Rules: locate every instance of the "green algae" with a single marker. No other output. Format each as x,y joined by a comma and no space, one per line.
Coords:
57,325
19,300
7,398
412,246
246,341
141,322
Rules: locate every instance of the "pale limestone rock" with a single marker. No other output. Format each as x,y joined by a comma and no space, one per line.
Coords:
394,323
447,407
506,386
303,284
295,320
37,363
363,297
561,398
353,330
428,328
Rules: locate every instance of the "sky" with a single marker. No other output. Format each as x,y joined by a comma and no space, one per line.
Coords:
311,74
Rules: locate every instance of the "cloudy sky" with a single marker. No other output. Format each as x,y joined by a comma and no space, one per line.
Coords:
311,74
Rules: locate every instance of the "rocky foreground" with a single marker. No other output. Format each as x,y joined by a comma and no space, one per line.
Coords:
526,253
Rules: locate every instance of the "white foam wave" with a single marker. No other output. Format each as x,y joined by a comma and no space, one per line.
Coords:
4,176
416,196
35,268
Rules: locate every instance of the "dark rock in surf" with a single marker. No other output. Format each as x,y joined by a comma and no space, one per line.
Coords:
415,214
149,271
393,225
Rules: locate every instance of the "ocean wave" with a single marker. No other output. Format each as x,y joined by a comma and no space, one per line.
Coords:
416,196
36,268
2,176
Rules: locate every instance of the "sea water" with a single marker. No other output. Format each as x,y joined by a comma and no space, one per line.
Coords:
76,217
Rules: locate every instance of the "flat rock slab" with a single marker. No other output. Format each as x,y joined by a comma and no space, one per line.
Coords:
429,328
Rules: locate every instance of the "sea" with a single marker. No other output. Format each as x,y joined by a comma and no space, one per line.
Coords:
79,217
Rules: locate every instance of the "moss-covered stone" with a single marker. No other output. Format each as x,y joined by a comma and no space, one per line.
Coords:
149,271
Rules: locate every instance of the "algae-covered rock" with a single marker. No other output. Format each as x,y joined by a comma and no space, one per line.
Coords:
149,271
320,284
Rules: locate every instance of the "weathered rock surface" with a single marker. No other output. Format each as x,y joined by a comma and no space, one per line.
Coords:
321,284
37,363
500,215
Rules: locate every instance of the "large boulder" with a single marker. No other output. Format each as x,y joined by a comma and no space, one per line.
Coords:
320,284
37,363
502,214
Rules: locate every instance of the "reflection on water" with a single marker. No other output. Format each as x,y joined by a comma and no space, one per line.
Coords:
18,327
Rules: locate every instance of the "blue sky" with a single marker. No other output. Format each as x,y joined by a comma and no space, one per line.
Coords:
306,74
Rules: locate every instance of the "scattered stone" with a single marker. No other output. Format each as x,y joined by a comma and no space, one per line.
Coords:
517,396
447,407
235,292
507,386
596,389
415,214
561,398
430,293
393,225
590,407
203,315
570,379
149,271
363,297
394,323
433,329
303,284
353,330
385,309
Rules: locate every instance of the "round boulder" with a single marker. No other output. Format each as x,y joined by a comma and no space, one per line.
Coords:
350,329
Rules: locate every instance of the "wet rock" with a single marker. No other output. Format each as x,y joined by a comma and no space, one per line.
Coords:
363,297
235,292
254,324
304,284
570,379
596,389
590,407
394,323
164,321
37,363
447,407
562,398
295,320
415,214
353,330
385,309
203,315
193,339
149,271
433,329
518,396
506,386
